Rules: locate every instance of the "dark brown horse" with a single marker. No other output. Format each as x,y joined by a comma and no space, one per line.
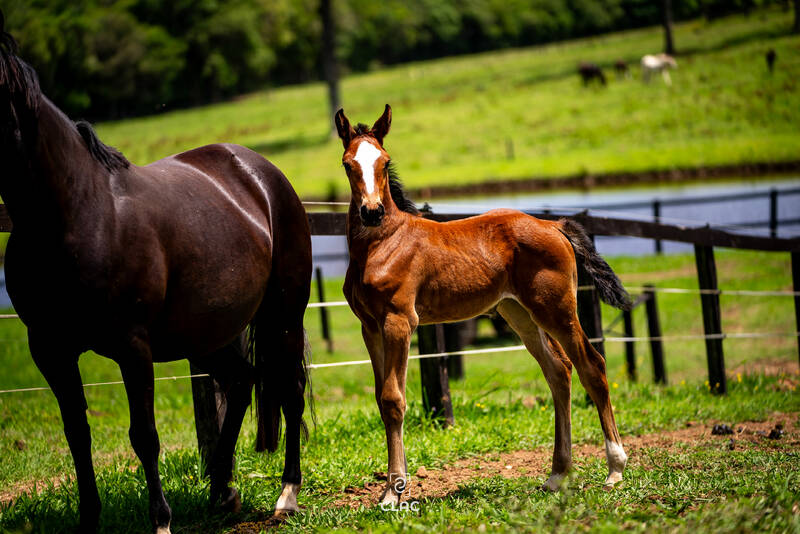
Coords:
406,270
156,263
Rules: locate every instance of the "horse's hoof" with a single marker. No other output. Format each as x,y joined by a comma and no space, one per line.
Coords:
231,503
553,483
163,530
612,480
389,497
287,502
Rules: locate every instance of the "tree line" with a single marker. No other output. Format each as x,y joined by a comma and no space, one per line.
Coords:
104,59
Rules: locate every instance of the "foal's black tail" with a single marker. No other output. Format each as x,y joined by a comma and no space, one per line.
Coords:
280,358
606,282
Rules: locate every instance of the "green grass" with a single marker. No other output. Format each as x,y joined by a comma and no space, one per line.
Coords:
739,491
453,118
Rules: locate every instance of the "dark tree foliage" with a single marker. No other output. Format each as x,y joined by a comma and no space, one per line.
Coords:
113,58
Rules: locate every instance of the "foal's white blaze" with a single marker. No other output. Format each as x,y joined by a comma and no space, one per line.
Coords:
617,459
366,155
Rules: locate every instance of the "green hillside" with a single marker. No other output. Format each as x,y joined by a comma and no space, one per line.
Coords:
458,120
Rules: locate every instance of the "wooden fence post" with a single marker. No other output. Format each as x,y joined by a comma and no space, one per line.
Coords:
209,413
796,286
323,311
433,374
654,331
712,322
630,346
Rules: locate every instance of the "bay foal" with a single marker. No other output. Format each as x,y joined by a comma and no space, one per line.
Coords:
406,270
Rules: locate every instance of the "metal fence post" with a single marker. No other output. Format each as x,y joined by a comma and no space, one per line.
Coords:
654,331
796,286
630,347
657,220
323,311
712,321
773,212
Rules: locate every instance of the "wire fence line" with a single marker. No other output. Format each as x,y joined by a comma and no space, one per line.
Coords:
467,352
642,289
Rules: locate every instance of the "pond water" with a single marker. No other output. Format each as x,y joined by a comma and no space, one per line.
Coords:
330,252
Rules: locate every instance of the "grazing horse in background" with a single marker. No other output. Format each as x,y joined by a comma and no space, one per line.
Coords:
589,72
658,63
156,263
621,68
406,270
770,58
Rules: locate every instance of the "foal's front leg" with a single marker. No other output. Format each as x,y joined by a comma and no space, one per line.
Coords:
136,364
397,329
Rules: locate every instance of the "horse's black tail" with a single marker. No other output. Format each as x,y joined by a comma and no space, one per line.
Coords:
606,282
282,378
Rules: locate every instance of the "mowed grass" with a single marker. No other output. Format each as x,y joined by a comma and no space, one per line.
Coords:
502,405
523,113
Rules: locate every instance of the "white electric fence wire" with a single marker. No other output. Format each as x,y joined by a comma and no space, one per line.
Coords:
492,350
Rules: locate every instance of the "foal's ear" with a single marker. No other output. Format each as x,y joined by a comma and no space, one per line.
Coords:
382,125
346,132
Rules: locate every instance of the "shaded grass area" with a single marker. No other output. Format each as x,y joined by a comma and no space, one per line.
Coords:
523,113
502,405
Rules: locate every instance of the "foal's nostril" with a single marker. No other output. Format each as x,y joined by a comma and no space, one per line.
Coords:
372,217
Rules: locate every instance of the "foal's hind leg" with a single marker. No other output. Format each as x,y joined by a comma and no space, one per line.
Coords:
229,367
591,366
136,364
62,374
557,371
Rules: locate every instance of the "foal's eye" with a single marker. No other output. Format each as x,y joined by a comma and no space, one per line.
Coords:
346,167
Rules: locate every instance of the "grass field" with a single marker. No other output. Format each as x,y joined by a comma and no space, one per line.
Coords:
456,120
502,405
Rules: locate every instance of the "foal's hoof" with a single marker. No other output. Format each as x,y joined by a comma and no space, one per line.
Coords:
612,480
163,530
554,483
389,498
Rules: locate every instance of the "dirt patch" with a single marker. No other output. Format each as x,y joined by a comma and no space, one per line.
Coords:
437,483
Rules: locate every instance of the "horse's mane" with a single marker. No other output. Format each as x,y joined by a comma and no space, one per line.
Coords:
111,158
398,194
395,185
19,81
17,78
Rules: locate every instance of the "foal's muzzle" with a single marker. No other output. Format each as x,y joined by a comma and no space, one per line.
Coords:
372,217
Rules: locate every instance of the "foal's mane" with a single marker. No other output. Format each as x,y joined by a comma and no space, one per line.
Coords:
18,82
395,184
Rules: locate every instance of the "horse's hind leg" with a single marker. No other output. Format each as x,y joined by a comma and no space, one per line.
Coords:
559,319
557,371
280,334
136,364
62,374
230,368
